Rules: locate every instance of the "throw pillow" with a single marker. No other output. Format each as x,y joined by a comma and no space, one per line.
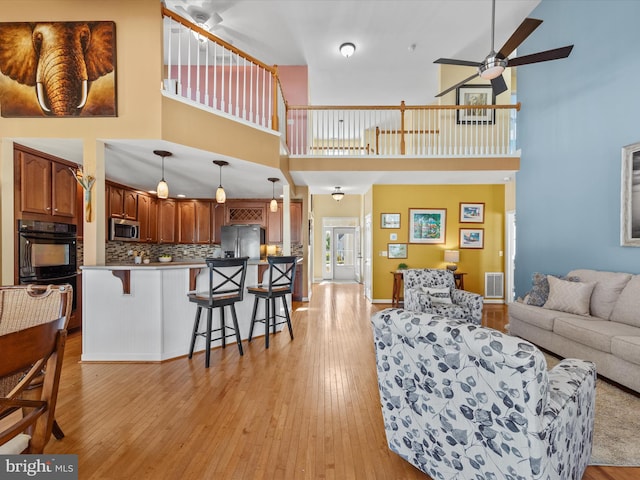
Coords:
438,295
570,297
540,288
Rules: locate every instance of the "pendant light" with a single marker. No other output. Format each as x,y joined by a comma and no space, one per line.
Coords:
221,196
337,194
273,206
163,188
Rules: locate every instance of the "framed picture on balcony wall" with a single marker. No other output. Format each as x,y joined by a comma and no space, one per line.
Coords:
427,225
472,238
79,82
475,96
390,220
630,196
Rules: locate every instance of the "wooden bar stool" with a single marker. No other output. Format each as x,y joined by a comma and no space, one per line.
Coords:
282,272
226,287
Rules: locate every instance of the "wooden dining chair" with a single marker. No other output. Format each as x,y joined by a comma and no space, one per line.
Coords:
38,351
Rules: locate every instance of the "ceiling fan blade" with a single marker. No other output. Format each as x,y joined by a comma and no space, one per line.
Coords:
498,85
444,92
525,29
545,56
453,61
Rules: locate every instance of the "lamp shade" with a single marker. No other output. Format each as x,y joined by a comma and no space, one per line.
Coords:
273,206
221,196
337,194
347,49
451,256
162,189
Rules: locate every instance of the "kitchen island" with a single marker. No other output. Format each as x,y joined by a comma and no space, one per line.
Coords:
141,313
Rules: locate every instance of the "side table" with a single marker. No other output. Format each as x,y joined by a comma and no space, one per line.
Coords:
459,278
398,278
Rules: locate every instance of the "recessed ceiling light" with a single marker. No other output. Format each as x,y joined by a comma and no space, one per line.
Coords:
181,195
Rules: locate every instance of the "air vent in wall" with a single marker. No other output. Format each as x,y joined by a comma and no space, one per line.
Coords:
493,285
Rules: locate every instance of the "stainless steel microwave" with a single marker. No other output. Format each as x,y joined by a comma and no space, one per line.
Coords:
124,230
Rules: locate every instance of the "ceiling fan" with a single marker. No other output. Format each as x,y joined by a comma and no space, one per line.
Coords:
494,64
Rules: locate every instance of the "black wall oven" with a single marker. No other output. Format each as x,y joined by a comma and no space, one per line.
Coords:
47,253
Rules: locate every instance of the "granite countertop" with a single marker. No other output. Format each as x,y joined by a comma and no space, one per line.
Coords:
183,263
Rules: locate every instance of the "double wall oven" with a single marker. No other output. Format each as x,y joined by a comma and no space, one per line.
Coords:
47,253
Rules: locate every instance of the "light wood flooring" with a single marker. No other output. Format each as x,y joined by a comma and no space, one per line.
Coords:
304,409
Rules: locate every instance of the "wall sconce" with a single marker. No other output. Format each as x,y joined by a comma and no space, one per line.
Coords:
163,188
347,49
273,206
337,194
221,196
452,257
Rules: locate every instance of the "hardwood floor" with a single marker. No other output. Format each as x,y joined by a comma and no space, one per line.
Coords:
304,409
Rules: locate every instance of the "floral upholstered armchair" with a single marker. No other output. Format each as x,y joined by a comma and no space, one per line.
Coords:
460,401
434,291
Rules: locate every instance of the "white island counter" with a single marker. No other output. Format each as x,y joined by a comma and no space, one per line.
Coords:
142,312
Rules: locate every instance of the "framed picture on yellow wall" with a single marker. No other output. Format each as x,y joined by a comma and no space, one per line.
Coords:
390,220
472,238
471,212
427,225
630,208
396,250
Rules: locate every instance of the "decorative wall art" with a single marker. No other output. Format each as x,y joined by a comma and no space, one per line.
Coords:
471,212
58,69
472,238
630,196
390,220
397,250
476,95
427,225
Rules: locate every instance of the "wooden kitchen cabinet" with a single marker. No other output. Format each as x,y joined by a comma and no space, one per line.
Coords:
167,221
47,188
246,212
217,217
123,203
194,222
274,224
148,218
296,223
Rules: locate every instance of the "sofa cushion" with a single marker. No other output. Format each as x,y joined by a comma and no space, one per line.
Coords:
536,316
607,290
571,297
627,348
592,333
627,308
540,288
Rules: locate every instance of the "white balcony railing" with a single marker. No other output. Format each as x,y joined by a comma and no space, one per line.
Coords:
434,130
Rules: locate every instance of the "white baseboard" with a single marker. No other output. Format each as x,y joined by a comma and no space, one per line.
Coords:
493,300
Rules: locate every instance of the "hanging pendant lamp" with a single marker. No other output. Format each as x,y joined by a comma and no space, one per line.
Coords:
163,187
273,206
221,196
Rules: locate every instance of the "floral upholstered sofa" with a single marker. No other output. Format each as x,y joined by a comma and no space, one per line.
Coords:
434,291
460,401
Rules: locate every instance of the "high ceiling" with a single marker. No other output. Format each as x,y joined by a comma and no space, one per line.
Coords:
396,44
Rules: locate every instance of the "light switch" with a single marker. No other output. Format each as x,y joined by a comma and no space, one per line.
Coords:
393,236
383,253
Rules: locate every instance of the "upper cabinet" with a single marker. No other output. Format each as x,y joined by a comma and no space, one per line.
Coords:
45,189
123,203
148,218
194,221
167,221
246,212
274,226
296,222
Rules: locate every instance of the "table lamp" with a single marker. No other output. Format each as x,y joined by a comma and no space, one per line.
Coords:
452,257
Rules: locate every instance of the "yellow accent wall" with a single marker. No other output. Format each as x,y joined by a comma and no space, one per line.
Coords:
475,262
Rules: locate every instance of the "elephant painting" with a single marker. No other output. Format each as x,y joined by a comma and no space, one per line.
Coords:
57,69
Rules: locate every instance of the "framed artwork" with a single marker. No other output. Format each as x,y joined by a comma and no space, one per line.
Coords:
476,96
472,238
390,220
79,83
630,196
471,212
397,250
427,225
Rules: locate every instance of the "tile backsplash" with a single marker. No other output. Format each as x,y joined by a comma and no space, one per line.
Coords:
117,252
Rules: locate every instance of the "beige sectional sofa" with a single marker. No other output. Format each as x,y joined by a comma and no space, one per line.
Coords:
591,315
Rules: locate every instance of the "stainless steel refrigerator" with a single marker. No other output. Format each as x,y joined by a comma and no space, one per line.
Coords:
243,241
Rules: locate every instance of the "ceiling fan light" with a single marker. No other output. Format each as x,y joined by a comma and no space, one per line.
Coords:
492,68
162,189
221,196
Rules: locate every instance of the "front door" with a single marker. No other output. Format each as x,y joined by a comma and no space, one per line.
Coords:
344,253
